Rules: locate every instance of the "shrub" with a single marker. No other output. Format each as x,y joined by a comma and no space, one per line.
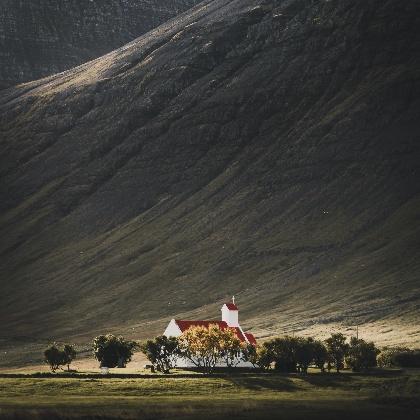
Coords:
70,354
161,352
407,359
56,356
337,349
361,355
249,354
385,358
291,354
282,352
320,355
304,352
112,351
263,357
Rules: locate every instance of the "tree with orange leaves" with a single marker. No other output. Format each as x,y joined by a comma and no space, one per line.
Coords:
206,346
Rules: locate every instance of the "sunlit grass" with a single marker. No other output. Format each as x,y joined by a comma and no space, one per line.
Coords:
245,396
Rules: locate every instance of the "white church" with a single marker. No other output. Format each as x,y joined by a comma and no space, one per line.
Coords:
230,319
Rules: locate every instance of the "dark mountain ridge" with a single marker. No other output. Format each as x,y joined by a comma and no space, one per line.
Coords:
42,37
267,149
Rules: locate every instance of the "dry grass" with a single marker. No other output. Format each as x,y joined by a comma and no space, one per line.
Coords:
243,396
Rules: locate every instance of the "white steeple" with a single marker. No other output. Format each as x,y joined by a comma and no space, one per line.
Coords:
230,313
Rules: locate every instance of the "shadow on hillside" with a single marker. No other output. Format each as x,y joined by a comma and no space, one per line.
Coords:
346,378
286,382
261,383
328,379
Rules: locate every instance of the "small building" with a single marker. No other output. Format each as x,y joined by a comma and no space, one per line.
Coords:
230,319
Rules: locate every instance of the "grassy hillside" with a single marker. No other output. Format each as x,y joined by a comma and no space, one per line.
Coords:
253,396
267,149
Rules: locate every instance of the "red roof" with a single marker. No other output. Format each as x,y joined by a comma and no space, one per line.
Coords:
251,338
231,306
184,325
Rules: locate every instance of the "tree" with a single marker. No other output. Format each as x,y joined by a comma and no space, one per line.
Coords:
289,354
195,345
231,348
407,359
387,356
250,354
264,357
320,355
112,351
361,355
337,349
126,349
69,353
54,357
282,351
304,353
57,356
161,352
206,346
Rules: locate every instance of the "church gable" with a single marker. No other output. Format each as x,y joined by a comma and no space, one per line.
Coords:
229,320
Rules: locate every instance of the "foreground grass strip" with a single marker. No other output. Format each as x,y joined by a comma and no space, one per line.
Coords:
240,396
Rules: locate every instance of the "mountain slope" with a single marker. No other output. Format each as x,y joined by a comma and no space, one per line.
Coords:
267,149
39,38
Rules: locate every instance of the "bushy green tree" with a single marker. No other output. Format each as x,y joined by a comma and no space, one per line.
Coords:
407,359
282,352
361,355
263,357
337,349
70,354
288,354
112,351
387,355
304,353
320,355
161,352
57,356
54,357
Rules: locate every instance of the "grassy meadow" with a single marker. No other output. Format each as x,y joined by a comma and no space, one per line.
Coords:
384,395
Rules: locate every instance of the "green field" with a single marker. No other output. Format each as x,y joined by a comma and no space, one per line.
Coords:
249,396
